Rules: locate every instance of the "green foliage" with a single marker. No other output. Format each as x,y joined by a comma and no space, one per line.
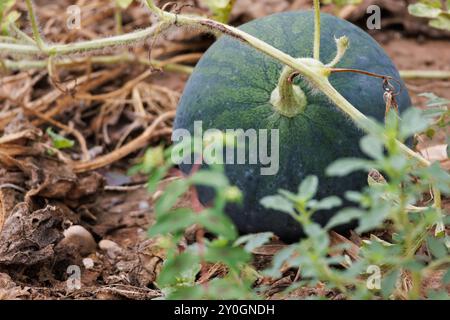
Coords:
434,10
123,4
390,200
59,141
220,9
438,110
7,16
178,279
225,249
388,203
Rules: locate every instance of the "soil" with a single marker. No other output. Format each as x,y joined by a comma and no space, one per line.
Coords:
57,197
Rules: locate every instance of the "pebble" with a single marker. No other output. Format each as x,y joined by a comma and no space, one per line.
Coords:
88,263
111,248
79,238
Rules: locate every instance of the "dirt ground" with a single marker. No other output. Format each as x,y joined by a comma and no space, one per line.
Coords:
106,109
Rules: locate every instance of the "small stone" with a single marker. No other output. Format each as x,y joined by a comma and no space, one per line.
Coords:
88,263
80,239
111,248
143,205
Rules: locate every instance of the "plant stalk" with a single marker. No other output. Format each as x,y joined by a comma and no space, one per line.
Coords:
34,26
288,99
317,30
83,46
118,19
103,60
424,74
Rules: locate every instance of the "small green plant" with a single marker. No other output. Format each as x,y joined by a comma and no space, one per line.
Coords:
7,16
388,203
182,267
120,5
438,107
435,10
393,201
59,141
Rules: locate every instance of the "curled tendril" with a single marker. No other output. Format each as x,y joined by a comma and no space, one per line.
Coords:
390,90
388,87
175,8
293,76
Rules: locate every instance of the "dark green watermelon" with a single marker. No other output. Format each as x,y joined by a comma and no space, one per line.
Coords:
231,88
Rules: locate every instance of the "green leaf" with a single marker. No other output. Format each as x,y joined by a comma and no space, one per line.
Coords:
170,196
391,123
440,19
354,196
6,5
434,100
438,176
175,268
123,4
292,197
189,276
374,218
389,282
325,204
437,247
155,178
308,187
233,194
210,178
442,22
343,167
153,158
278,203
232,257
13,16
58,141
279,260
344,216
412,122
226,288
172,222
372,146
441,294
319,236
446,278
253,241
134,169
424,10
217,223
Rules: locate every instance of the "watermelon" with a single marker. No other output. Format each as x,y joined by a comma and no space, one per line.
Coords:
232,88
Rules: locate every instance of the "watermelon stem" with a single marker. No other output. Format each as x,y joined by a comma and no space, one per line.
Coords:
288,99
342,44
34,26
317,30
